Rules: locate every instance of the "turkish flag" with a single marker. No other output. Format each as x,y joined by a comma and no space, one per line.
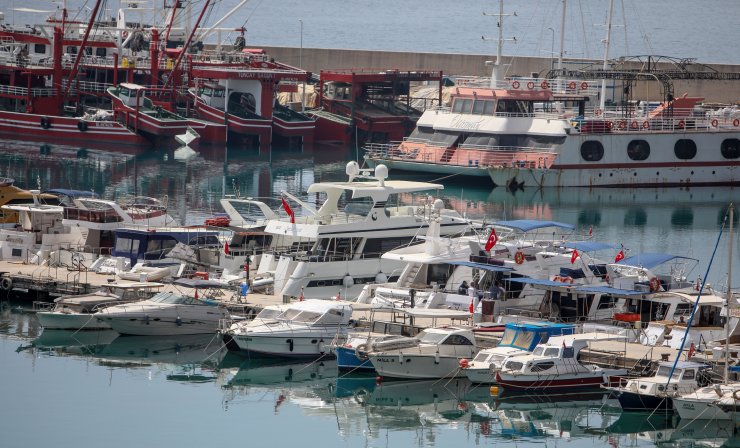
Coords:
574,256
591,231
226,248
619,257
492,239
289,211
470,308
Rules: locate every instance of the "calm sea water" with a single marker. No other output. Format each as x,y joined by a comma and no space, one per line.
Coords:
678,28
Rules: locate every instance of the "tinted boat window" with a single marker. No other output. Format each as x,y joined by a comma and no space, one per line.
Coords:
638,150
731,148
592,151
685,149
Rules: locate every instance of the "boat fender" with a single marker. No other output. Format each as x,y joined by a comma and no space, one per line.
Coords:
361,352
519,257
6,283
82,125
572,85
146,319
530,85
654,284
436,357
321,346
735,395
715,123
45,122
178,321
290,344
515,84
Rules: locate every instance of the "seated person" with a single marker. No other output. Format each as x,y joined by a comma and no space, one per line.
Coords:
463,289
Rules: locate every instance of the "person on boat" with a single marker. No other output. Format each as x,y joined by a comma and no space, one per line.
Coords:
497,291
463,289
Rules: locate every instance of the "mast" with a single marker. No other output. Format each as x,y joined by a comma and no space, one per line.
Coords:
728,299
607,41
496,73
81,51
186,45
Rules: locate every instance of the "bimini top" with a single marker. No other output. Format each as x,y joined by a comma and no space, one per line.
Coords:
588,246
651,260
483,266
525,225
373,189
550,327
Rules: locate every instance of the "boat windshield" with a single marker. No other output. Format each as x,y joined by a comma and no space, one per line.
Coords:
175,299
666,370
301,316
538,351
430,338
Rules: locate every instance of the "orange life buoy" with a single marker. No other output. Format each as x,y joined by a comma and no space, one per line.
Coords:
546,85
654,284
623,125
715,123
609,125
519,257
681,124
634,125
646,125
584,85
515,84
598,112
572,85
530,85
736,122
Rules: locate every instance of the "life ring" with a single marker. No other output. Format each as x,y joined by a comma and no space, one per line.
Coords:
572,85
545,85
598,112
361,352
736,122
634,125
6,283
715,123
609,125
584,85
681,124
530,85
654,284
82,125
646,125
623,125
515,84
519,257
45,122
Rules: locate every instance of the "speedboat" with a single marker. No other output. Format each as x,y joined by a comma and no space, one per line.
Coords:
555,365
655,394
169,312
713,402
78,312
305,329
433,353
518,339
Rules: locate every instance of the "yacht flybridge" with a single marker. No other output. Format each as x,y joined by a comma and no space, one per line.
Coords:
336,249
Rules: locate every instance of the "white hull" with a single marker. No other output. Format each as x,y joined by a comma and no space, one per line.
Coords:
394,365
693,409
480,376
311,346
70,321
174,320
432,168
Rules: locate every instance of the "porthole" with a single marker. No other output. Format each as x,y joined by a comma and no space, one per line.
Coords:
730,148
592,151
638,150
685,149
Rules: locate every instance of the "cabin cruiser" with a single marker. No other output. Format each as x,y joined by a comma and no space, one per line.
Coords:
78,312
305,329
518,339
12,195
555,365
655,394
713,402
343,245
170,312
433,353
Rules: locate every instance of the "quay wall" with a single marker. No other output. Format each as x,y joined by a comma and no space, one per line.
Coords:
317,59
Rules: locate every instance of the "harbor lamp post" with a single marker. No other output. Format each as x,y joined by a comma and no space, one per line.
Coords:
300,65
552,49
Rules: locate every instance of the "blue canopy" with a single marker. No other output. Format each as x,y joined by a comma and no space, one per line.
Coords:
540,281
525,225
553,327
651,260
610,290
483,266
588,246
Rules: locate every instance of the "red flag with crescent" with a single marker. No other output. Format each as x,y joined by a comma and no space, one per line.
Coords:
289,211
573,256
492,239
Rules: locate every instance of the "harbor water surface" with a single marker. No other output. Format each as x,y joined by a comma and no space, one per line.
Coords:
86,389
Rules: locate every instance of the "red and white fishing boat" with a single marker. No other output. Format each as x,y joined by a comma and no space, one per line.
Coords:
554,365
242,94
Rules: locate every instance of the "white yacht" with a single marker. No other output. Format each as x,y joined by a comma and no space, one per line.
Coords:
169,312
336,249
78,312
433,353
304,329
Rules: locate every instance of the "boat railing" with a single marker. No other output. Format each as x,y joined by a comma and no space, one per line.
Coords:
23,91
93,216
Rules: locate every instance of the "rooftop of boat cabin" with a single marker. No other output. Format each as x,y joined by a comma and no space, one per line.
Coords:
369,75
374,187
503,94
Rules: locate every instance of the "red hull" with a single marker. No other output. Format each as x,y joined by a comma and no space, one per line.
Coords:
17,124
304,129
261,128
555,384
